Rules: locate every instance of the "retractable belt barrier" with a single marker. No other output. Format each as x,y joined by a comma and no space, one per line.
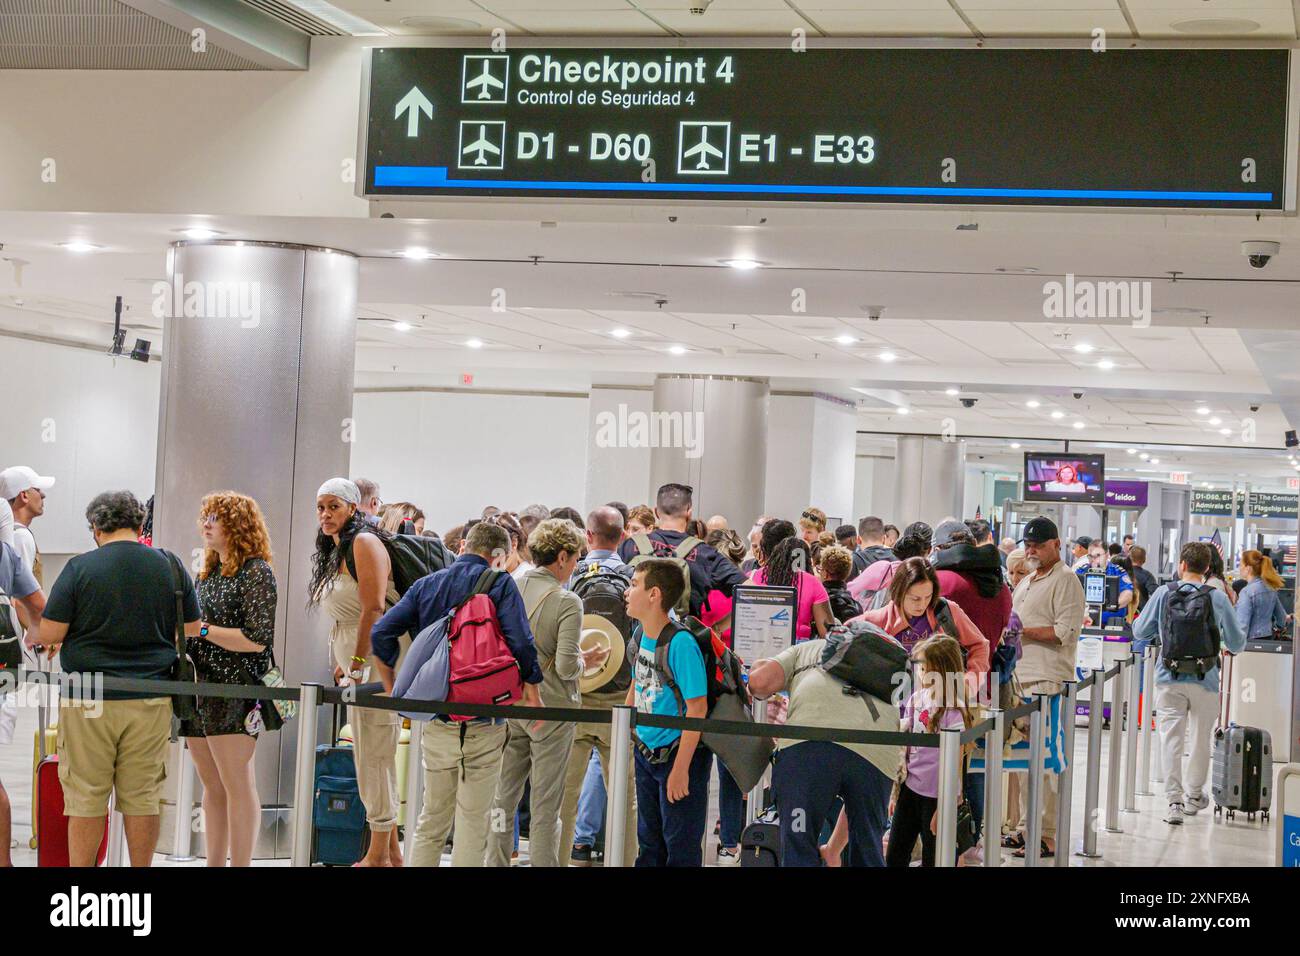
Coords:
949,742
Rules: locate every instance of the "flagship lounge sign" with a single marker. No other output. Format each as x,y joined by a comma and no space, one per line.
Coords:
1131,128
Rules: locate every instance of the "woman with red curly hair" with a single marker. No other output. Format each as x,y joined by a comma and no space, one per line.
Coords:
237,597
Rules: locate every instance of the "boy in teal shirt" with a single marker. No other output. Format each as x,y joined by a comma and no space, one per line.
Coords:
672,768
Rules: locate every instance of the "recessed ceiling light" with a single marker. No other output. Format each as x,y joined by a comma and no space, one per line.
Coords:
677,349
1078,425
1155,461
1132,451
1032,403
620,333
1058,414
1225,431
1216,420
417,252
902,411
887,356
199,233
1015,444
402,326
1202,410
1105,365
744,265
1083,348
952,391
474,343
844,340
77,245
1205,484
1144,456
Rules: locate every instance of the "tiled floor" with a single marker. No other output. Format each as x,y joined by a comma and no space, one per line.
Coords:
1146,841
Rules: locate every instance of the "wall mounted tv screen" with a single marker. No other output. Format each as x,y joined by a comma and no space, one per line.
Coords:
1052,476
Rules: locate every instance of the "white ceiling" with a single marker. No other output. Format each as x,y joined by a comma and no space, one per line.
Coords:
1120,19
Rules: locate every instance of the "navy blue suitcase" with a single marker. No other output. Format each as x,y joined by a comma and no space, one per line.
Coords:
339,831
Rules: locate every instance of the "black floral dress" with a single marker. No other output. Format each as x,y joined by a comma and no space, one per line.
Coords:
245,600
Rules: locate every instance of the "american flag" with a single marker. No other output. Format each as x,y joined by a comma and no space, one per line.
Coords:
1216,540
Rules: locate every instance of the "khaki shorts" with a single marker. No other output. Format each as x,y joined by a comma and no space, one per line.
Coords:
124,749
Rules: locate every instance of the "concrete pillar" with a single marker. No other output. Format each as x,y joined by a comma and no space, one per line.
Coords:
710,432
811,455
260,344
617,471
929,479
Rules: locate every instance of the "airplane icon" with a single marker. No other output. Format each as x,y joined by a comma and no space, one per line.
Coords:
485,82
485,78
710,152
482,144
704,150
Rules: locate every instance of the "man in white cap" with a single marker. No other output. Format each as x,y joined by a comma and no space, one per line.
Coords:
24,490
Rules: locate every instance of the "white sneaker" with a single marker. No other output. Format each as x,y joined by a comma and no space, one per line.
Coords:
728,856
1195,804
1175,816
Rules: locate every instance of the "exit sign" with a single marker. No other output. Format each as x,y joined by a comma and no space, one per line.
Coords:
467,378
1179,477
1293,484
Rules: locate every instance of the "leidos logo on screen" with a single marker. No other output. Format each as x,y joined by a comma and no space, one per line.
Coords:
485,79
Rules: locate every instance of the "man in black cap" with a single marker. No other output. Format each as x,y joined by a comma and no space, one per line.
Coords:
1079,551
1049,603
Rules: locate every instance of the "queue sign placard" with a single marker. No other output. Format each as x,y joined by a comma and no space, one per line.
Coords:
762,621
1165,128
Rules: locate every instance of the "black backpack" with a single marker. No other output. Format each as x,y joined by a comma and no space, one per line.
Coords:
843,606
412,557
866,658
601,590
1189,634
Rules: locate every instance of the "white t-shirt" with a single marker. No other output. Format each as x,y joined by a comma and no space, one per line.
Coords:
25,544
6,523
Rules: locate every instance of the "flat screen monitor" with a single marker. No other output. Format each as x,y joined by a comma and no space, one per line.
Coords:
1094,587
1053,476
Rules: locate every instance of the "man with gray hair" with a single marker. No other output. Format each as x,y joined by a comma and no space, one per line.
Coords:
370,501
462,759
112,611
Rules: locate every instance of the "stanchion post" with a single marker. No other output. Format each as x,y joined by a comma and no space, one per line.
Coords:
620,756
414,785
949,795
304,774
1132,718
1092,770
993,790
1034,825
1148,721
754,805
1065,782
1116,745
116,836
181,845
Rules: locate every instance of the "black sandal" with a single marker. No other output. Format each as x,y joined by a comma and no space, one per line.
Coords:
1013,841
1044,851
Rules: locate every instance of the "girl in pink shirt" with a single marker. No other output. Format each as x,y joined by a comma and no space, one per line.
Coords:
788,566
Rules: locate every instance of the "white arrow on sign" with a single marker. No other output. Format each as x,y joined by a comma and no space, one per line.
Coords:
413,104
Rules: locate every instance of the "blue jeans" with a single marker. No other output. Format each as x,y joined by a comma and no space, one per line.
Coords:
671,834
591,804
973,790
731,808
807,778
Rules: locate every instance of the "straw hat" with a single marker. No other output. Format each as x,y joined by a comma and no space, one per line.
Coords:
600,632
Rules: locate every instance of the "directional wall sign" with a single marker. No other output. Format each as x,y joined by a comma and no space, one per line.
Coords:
1166,128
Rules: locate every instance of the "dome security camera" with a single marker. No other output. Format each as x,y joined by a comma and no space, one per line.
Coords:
1259,253
969,402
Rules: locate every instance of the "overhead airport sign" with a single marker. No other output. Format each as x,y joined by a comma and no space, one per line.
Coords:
1132,128
1263,504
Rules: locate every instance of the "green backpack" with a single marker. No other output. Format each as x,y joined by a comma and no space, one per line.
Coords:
648,547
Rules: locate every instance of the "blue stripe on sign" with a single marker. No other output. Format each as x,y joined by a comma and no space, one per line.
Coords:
435,177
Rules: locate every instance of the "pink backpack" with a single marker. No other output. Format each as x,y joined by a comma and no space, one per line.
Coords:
482,669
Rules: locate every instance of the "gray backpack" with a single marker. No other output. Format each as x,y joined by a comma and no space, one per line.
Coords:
648,547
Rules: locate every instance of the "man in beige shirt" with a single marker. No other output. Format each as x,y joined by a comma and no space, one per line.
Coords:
1049,603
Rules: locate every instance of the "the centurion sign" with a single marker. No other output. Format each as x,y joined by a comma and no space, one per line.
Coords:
1128,128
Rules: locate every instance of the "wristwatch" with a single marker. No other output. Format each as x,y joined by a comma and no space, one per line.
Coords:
203,629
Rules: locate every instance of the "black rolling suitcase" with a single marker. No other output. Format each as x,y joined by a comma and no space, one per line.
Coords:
760,842
1242,771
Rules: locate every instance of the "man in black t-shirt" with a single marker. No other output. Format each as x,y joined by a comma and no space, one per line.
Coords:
112,612
710,571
